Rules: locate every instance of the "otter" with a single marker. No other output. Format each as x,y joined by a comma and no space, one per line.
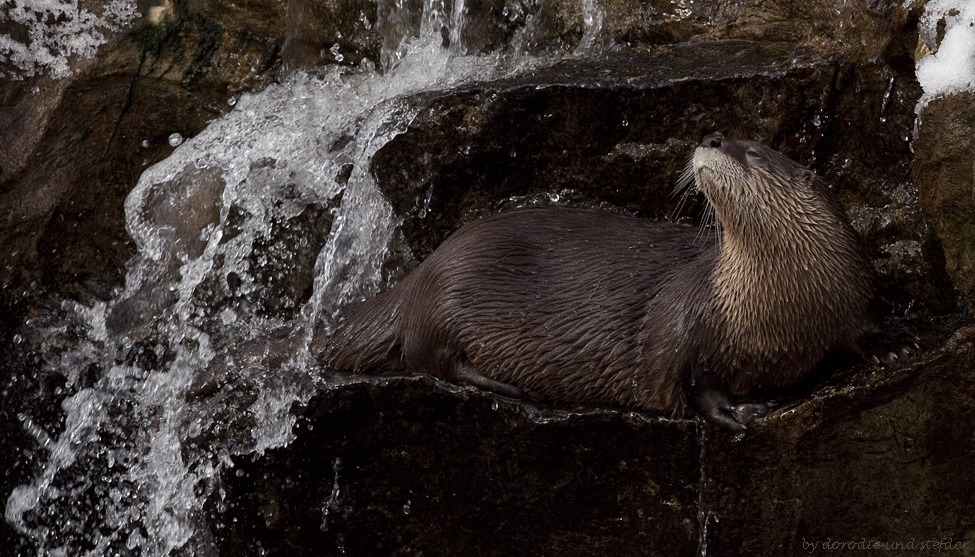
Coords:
589,307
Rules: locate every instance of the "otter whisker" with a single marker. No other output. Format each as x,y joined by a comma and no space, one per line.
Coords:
685,181
684,187
709,223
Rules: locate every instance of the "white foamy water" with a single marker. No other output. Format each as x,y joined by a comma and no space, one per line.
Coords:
135,463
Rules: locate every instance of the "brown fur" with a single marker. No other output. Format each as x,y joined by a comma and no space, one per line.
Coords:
589,307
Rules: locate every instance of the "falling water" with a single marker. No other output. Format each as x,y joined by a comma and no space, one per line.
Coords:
219,227
592,17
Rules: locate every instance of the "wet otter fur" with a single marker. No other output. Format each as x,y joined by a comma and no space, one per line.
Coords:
590,307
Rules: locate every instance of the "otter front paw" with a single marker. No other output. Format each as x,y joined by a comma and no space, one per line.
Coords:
887,348
716,408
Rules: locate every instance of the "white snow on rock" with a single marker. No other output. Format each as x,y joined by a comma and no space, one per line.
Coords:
950,68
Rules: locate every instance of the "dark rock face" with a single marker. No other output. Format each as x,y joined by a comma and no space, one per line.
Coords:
398,467
408,466
887,444
945,180
467,474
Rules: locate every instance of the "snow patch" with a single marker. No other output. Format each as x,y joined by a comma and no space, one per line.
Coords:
950,68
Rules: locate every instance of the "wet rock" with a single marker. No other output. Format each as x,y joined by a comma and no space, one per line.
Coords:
943,173
333,32
182,211
404,466
410,466
282,266
877,456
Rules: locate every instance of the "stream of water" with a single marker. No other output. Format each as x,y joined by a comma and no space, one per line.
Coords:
218,226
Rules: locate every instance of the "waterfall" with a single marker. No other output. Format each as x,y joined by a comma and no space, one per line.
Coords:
219,225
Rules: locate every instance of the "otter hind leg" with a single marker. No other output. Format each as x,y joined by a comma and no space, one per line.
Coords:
465,373
715,407
881,347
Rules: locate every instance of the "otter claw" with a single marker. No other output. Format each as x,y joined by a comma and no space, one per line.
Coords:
882,348
750,412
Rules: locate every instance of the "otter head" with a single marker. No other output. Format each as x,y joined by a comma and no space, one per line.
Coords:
752,186
789,265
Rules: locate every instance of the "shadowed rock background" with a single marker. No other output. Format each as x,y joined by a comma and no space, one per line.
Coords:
412,466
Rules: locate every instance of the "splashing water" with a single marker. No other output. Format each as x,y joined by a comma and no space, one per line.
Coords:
51,33
592,17
222,227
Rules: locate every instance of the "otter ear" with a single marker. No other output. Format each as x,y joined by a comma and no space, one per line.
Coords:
809,178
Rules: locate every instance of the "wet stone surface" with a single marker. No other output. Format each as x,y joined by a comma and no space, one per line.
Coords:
406,466
403,466
945,180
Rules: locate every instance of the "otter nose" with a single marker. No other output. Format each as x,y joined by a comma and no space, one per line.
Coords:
713,141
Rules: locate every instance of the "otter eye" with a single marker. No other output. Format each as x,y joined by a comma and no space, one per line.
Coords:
754,158
752,154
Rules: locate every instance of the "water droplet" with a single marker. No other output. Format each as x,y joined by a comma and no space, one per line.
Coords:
335,52
228,316
626,123
133,541
145,142
406,507
232,101
175,139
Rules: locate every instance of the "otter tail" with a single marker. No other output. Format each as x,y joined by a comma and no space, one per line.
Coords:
367,340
